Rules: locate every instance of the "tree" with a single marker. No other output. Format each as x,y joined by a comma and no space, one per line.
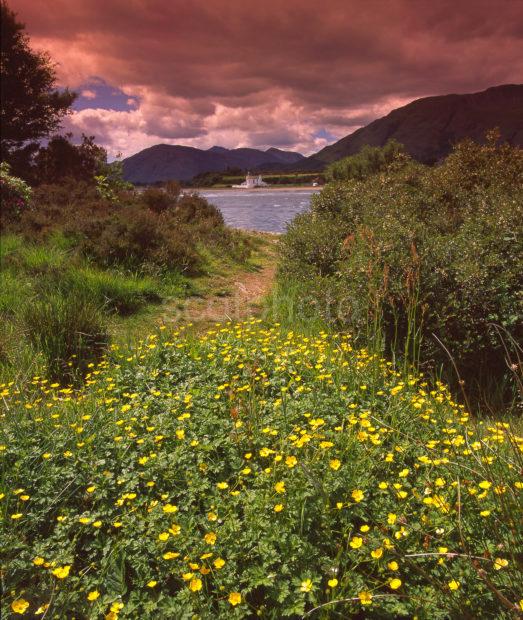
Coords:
61,158
31,107
368,161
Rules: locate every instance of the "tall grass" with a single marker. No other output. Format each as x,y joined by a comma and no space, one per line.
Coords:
70,331
117,292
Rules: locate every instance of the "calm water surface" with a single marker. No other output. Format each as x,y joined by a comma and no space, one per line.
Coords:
268,210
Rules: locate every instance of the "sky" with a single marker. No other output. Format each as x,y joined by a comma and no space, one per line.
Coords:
293,74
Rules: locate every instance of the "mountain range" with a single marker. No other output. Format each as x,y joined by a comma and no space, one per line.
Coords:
163,162
427,127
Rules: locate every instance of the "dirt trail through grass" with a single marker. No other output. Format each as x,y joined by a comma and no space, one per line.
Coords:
229,296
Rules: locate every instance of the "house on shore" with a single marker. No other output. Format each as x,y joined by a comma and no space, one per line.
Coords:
252,181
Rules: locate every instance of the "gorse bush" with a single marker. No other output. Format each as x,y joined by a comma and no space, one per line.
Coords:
415,252
254,472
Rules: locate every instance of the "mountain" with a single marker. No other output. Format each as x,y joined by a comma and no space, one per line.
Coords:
163,162
428,127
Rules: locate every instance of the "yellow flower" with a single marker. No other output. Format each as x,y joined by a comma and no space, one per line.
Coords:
42,609
365,598
92,596
383,485
91,489
335,464
391,519
500,563
393,565
19,606
212,516
377,553
356,542
210,538
97,524
357,495
235,598
38,561
279,487
394,584
61,572
152,583
18,515
485,484
291,461
195,585
222,485
306,586
219,563
332,583
454,585
278,508
170,508
485,513
163,536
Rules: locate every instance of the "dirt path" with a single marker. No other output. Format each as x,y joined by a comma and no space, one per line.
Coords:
230,297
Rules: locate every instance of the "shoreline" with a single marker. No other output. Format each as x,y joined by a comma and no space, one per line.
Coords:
271,188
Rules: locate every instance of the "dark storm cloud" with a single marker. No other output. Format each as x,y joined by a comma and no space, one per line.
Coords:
211,69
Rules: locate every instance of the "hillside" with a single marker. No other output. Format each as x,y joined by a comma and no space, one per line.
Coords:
163,162
429,127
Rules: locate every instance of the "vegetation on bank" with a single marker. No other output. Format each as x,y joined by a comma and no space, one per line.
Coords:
255,472
425,260
73,261
228,178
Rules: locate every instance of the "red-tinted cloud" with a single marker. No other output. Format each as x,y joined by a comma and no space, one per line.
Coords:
263,73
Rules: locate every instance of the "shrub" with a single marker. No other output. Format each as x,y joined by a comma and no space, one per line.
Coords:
421,251
370,160
15,196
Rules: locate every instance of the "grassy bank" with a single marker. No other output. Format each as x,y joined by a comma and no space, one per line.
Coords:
256,472
79,272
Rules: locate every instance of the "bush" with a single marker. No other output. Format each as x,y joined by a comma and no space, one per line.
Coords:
69,330
370,160
416,252
15,196
157,230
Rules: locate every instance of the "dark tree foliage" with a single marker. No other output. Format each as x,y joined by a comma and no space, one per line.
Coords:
370,160
61,159
31,107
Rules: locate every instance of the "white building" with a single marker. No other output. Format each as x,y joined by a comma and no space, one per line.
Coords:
252,181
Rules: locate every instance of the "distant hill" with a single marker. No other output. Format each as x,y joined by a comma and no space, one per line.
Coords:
164,162
429,127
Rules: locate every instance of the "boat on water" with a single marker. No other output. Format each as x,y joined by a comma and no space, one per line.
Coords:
252,181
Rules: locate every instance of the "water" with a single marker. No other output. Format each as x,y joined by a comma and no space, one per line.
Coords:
268,210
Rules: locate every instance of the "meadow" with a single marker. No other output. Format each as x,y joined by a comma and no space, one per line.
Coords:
252,471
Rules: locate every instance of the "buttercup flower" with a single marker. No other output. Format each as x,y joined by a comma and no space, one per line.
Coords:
20,606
